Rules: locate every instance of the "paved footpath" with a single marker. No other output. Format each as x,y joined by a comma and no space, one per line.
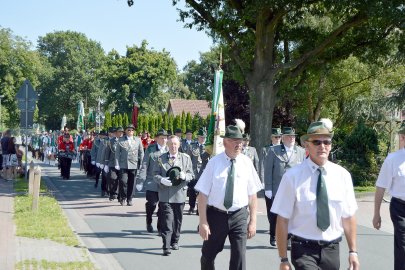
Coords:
116,237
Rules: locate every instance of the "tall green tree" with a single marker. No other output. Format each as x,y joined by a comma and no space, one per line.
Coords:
144,72
125,120
274,42
17,63
76,62
108,121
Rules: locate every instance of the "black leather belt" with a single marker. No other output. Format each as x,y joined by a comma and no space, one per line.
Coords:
321,243
223,211
397,200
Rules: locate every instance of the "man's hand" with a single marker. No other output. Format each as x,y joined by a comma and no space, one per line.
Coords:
117,168
354,263
251,231
268,193
165,181
204,230
377,221
285,266
106,169
182,176
93,163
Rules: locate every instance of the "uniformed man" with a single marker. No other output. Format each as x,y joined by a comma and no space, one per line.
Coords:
279,159
315,203
93,154
392,177
275,140
185,144
128,158
100,160
199,159
109,168
179,133
66,153
250,151
172,171
85,148
146,180
227,187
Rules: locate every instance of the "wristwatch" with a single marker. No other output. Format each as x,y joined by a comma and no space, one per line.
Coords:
283,259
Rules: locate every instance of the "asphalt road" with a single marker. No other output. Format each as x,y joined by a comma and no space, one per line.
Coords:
117,239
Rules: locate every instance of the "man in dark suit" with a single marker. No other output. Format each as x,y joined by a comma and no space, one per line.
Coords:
146,181
199,158
172,194
128,157
278,160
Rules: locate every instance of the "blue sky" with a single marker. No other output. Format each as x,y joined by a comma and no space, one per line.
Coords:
110,22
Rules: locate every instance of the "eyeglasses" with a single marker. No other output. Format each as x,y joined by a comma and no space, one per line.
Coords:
319,142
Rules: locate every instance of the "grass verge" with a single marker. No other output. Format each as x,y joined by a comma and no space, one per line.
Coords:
364,189
47,223
34,264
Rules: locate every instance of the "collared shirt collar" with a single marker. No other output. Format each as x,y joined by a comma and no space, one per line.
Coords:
313,166
229,159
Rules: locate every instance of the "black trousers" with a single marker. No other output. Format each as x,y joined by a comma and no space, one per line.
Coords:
311,256
171,218
397,212
271,217
112,180
127,178
97,172
65,164
104,175
152,199
223,225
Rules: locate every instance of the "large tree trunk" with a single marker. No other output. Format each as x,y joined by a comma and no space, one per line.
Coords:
262,102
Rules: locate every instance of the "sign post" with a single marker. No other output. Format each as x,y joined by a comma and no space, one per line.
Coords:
26,98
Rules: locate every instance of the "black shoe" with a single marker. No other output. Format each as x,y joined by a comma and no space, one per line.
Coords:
166,252
273,243
191,211
129,203
149,228
175,246
121,202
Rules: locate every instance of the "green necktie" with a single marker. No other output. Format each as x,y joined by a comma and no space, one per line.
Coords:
228,200
322,208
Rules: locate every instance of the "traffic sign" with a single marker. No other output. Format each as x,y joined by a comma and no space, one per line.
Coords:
26,98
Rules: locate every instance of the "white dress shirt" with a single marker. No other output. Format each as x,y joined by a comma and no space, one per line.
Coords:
296,199
212,182
392,174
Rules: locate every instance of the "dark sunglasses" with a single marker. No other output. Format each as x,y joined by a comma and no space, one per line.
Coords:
319,142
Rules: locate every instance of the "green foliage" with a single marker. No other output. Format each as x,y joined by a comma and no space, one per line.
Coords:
17,63
108,121
358,153
145,72
76,63
189,122
119,120
125,120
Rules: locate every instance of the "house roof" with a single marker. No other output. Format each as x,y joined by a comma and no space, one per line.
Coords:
177,106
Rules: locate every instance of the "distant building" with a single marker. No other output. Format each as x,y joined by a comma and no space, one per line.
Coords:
177,106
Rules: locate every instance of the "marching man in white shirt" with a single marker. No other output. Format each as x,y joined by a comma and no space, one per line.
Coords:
315,203
227,200
392,177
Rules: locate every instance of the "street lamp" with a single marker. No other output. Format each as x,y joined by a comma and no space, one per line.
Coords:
1,122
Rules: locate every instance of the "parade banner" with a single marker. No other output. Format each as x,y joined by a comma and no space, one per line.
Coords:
216,127
80,118
63,123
